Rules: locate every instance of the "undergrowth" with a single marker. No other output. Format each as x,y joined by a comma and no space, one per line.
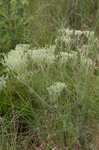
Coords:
50,95
49,76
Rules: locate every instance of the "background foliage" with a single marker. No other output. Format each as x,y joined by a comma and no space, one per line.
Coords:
36,22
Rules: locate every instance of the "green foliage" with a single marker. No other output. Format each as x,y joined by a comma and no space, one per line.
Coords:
49,95
12,24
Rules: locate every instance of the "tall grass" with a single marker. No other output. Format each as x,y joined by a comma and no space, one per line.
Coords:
49,81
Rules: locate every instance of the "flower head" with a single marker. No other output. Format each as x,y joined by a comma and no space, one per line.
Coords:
55,90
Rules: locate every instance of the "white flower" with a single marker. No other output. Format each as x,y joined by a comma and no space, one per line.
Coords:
77,32
84,50
63,57
16,59
23,47
42,55
66,31
68,36
64,35
89,34
55,91
87,62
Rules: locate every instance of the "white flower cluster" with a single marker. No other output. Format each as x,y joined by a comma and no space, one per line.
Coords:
85,61
23,47
44,55
21,60
76,38
84,50
63,57
16,60
64,35
68,36
55,91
